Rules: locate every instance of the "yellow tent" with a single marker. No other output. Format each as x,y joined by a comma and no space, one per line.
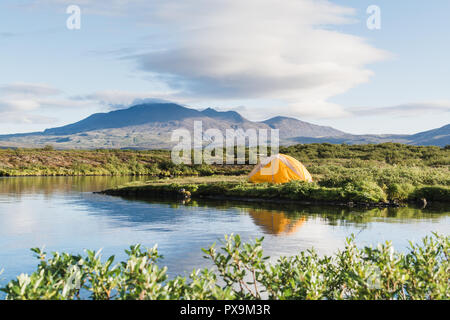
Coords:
279,168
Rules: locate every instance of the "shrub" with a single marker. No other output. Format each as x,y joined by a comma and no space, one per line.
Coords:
48,147
241,271
366,191
401,192
433,193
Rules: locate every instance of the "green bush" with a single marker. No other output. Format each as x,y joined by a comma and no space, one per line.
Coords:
433,193
401,192
241,271
364,191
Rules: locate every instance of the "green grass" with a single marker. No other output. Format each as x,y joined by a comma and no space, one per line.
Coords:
238,187
366,173
322,160
47,162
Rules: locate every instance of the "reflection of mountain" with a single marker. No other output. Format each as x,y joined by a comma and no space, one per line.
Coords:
274,222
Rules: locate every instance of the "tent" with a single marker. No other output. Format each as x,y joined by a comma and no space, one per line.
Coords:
279,168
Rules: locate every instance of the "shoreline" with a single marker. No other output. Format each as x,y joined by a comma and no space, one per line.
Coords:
155,191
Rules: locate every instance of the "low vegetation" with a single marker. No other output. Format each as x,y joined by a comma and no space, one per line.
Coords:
366,173
102,162
241,271
321,159
361,192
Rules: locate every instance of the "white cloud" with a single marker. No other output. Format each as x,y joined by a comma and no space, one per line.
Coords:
262,50
21,118
22,89
18,105
253,49
412,109
24,103
119,99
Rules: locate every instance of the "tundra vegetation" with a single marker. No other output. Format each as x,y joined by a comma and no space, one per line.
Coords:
241,271
365,173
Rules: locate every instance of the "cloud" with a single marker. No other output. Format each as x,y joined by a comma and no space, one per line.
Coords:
248,50
22,97
405,110
18,105
118,99
7,34
28,89
21,118
24,102
260,50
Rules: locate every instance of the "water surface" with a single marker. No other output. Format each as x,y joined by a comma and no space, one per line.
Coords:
63,214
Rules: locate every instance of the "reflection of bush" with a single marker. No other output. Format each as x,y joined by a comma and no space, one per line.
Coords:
49,185
334,215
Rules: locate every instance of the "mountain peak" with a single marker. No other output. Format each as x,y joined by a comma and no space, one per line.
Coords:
132,116
299,128
280,118
223,115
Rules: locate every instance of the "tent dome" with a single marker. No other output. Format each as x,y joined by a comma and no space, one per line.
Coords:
279,168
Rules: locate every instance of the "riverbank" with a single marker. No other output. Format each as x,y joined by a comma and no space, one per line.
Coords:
362,193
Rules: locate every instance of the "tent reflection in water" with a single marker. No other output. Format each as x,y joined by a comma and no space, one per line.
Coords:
279,168
273,222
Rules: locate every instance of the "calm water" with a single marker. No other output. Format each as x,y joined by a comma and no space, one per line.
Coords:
62,213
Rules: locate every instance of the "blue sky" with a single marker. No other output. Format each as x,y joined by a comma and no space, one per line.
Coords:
314,60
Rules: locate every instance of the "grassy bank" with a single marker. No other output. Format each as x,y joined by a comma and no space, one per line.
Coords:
353,193
241,271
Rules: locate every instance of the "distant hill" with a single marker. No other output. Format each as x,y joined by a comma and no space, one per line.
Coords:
149,126
437,137
290,127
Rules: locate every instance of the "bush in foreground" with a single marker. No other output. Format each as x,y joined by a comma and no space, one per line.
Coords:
242,272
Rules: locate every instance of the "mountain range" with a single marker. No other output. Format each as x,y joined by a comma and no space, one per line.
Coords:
149,126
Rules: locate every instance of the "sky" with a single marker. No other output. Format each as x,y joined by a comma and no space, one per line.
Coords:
314,60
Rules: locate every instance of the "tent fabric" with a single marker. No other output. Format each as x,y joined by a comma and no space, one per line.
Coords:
279,168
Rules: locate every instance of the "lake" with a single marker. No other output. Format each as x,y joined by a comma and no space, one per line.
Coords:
63,214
